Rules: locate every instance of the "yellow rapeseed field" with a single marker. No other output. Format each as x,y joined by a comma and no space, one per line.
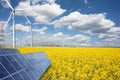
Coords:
81,63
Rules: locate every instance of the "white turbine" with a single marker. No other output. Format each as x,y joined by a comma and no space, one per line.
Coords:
12,15
30,30
28,20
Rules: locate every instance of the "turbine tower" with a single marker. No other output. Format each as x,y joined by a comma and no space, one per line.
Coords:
12,15
2,34
28,20
30,30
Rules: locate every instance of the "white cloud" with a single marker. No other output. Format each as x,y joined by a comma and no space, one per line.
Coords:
20,27
41,13
86,1
51,1
28,37
62,39
59,37
41,30
111,38
59,34
26,40
34,2
90,23
78,38
114,30
4,4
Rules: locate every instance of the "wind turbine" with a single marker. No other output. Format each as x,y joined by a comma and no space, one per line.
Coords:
28,20
30,30
12,15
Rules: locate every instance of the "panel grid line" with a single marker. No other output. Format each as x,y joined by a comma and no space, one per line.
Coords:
22,66
13,74
7,71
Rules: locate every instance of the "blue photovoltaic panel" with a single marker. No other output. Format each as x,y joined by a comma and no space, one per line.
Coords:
15,66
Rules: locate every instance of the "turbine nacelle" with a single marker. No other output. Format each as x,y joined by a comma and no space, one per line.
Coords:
12,15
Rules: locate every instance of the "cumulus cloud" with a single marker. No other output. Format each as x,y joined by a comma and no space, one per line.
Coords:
59,34
59,37
20,27
23,28
62,39
41,13
111,38
90,23
44,11
78,38
41,30
34,2
4,4
86,1
51,1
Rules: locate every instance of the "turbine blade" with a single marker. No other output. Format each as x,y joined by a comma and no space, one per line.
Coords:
36,23
27,19
8,19
22,9
9,5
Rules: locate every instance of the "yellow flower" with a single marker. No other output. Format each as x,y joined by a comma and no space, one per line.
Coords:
81,63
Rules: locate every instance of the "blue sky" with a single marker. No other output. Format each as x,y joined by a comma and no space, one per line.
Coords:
64,22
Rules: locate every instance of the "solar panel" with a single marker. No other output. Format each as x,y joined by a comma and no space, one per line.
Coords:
9,51
16,66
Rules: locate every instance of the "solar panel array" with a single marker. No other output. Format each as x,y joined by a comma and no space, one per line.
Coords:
16,66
